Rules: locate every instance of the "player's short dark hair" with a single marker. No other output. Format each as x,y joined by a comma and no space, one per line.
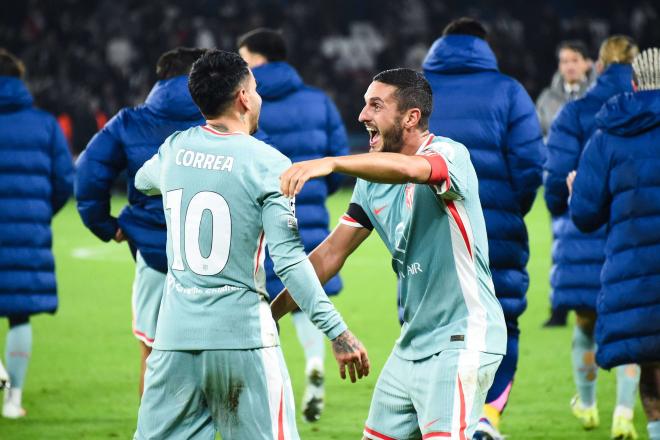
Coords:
574,45
466,26
267,42
412,91
10,64
214,79
177,62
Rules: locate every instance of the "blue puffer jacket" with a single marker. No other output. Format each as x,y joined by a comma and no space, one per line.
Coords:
492,115
618,185
129,139
36,179
577,257
302,123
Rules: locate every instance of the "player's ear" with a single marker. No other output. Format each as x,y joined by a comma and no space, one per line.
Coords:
412,117
243,98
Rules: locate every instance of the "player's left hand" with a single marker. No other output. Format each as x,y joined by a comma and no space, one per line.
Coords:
351,355
293,179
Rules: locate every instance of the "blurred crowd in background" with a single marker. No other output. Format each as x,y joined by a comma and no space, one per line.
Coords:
86,60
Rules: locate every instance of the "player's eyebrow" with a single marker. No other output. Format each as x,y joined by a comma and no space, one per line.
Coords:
374,100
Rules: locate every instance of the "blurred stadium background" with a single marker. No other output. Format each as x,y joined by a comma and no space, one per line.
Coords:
87,59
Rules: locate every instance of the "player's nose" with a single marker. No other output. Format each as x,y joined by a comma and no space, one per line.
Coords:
364,116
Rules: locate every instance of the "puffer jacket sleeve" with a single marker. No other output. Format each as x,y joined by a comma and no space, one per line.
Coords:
523,148
337,143
591,198
62,170
563,153
98,167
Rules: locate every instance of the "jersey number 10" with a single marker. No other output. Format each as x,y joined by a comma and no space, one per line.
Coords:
217,206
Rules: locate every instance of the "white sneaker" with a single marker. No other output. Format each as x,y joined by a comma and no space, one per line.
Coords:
486,431
11,408
4,377
313,399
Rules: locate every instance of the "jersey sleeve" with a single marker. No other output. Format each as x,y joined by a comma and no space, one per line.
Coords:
287,252
147,179
356,215
449,169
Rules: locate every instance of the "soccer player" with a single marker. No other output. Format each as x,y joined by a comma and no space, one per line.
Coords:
125,143
302,123
494,117
216,362
420,192
578,257
36,180
617,186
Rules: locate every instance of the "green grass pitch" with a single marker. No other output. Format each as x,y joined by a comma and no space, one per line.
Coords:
82,380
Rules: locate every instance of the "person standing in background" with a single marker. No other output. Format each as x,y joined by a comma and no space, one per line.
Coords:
303,123
578,257
617,185
36,180
130,138
570,82
494,117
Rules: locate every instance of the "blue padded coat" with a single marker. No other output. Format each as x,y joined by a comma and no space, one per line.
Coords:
618,185
494,117
129,139
303,123
577,257
36,179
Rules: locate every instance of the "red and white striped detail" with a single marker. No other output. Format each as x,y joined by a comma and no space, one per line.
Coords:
349,221
259,272
437,434
467,383
279,394
219,133
462,245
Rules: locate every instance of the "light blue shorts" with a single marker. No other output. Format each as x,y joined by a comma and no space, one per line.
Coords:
242,394
148,288
438,397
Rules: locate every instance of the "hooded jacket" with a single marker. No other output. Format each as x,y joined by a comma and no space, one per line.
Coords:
553,98
577,257
128,140
302,123
492,115
618,185
36,179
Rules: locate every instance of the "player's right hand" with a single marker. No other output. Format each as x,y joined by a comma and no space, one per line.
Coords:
351,355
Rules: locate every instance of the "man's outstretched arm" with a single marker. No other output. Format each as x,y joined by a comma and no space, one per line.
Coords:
327,259
374,167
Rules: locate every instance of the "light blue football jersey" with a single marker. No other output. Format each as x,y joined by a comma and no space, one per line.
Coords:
222,204
437,237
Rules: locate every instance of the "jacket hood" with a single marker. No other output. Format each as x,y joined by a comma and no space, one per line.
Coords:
14,95
459,54
171,99
617,78
276,79
629,114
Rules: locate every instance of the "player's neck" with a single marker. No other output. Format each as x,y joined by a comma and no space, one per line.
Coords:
413,140
229,124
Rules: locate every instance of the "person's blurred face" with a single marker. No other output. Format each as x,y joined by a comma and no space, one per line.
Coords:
382,118
573,66
252,59
251,101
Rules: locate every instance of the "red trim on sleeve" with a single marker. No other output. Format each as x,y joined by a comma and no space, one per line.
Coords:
439,170
436,435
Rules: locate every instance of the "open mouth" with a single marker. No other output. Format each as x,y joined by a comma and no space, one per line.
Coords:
374,136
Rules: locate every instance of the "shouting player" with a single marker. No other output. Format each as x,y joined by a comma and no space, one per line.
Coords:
216,364
420,193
